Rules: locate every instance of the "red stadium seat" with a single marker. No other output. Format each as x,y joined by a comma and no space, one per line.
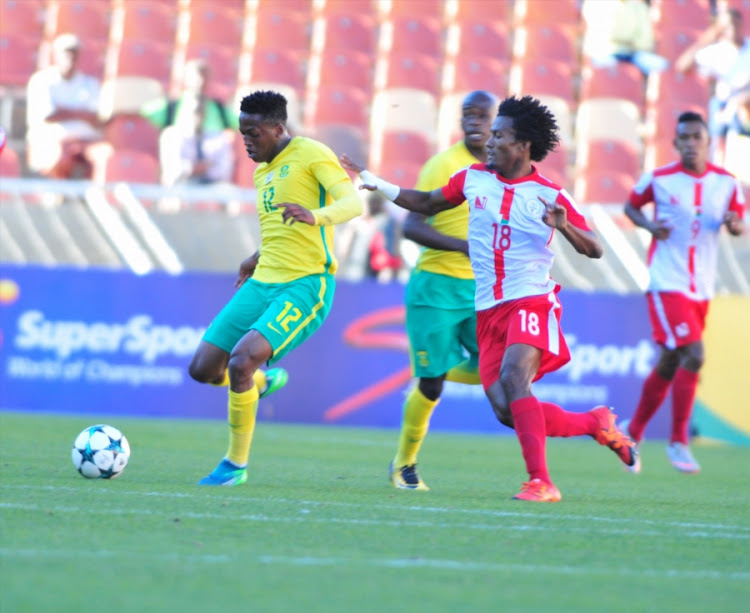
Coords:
556,161
339,67
559,12
672,40
145,20
411,34
659,151
693,14
605,155
546,41
366,8
623,80
10,163
481,10
278,65
19,59
126,165
296,7
342,139
215,24
610,119
661,117
606,187
142,59
687,87
224,64
476,38
281,29
398,173
467,73
338,105
542,76
22,17
91,59
348,31
132,132
413,70
402,147
423,8
87,19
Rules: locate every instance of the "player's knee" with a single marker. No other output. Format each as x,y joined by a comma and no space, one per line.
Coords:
514,381
199,373
431,388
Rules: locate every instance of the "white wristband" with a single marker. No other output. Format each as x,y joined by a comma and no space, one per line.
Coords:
388,190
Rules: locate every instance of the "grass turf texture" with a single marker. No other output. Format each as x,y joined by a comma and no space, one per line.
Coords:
318,528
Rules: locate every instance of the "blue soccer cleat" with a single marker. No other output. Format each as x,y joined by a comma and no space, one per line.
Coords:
226,473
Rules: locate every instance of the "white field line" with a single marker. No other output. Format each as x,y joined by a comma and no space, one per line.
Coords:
738,531
306,515
397,563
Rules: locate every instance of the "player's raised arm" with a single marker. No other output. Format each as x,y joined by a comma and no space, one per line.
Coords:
583,241
426,203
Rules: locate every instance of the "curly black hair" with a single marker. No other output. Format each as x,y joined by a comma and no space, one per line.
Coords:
270,105
533,122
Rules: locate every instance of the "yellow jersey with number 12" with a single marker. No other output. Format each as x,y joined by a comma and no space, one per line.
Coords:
303,173
454,222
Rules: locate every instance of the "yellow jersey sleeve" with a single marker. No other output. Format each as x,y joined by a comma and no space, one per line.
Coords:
303,173
453,222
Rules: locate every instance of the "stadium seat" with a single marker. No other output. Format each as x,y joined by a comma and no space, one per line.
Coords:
10,163
480,10
672,40
623,80
342,139
87,19
542,76
411,34
546,41
403,175
337,105
424,8
467,73
127,95
403,109
476,38
449,119
224,64
279,65
743,6
403,147
341,67
603,155
345,31
609,118
132,132
296,7
559,12
22,17
659,151
140,58
604,187
555,163
126,165
365,8
144,20
688,87
661,117
413,70
216,24
19,59
280,29
693,14
563,113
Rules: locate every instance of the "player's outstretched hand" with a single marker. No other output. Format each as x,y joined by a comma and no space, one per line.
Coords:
294,212
661,229
247,268
352,166
734,223
555,215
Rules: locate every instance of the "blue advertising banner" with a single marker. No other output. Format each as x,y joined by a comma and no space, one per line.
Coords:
101,342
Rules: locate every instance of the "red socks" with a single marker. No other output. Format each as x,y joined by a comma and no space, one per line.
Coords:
654,390
528,419
683,395
559,422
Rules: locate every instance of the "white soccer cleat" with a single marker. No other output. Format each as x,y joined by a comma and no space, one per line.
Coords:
682,459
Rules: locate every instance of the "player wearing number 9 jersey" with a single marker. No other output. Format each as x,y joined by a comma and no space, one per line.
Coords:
285,289
692,200
513,212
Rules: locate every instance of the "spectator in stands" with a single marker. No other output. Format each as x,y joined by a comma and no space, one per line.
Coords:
721,53
627,36
440,316
513,212
692,200
195,145
286,288
62,114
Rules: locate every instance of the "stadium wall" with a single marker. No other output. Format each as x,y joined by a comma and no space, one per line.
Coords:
106,343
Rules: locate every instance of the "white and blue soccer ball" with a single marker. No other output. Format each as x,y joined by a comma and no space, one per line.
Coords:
100,452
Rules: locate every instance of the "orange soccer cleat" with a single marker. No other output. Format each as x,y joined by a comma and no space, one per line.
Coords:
537,490
611,436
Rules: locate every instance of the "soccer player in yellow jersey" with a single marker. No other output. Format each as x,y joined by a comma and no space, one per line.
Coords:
286,288
440,313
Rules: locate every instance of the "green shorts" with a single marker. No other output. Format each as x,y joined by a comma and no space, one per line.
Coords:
441,323
285,314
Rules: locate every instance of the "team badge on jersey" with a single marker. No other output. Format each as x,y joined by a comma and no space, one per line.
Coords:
534,208
284,172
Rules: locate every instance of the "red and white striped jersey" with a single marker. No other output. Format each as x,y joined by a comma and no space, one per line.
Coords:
694,206
508,241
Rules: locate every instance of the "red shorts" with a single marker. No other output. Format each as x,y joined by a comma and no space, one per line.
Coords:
676,319
531,321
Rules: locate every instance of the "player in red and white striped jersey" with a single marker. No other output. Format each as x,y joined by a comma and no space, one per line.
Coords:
513,213
692,200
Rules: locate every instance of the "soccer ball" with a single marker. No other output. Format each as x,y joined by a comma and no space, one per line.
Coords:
101,452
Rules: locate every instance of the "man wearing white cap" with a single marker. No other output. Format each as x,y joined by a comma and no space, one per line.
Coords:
61,111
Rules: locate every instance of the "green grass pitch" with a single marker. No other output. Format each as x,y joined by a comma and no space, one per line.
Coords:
318,528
